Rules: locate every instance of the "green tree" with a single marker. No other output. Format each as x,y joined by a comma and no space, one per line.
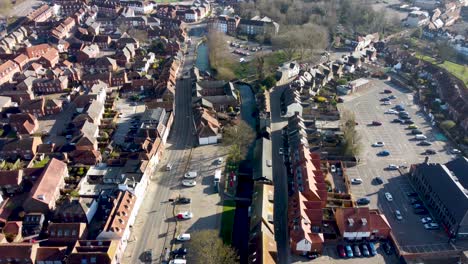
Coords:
447,124
269,81
352,145
206,247
240,135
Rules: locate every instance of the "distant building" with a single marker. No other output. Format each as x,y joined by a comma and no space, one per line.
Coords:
258,26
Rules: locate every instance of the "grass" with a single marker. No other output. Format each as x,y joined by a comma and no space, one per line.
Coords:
42,163
272,61
454,68
227,221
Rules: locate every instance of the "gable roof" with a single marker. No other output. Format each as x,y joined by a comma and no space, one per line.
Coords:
47,182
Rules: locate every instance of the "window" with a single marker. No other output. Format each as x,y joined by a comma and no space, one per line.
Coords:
93,259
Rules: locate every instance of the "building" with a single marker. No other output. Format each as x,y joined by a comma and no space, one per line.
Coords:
11,181
417,19
361,223
290,102
24,124
66,233
81,210
32,224
444,188
155,123
263,166
24,252
220,94
46,190
287,71
94,251
207,126
258,26
225,24
7,70
25,148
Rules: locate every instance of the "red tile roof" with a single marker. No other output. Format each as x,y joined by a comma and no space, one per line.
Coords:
51,254
120,214
44,189
25,252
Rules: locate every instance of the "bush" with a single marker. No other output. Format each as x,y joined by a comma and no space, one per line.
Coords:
269,82
447,124
320,99
341,82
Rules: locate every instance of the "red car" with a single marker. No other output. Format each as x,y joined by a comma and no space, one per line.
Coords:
341,251
376,123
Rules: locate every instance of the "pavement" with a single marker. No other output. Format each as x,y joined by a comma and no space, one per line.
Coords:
404,150
279,178
128,111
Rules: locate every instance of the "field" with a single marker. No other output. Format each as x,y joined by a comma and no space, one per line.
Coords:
460,71
227,220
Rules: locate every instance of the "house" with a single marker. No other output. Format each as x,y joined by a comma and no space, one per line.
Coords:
37,51
288,70
42,14
24,148
24,252
11,181
32,224
154,123
417,18
55,255
50,58
443,188
66,233
290,102
62,31
207,126
95,112
46,190
222,95
263,165
361,223
105,64
94,251
120,219
225,24
86,140
25,124
14,230
80,210
54,85
91,79
7,70
258,26
5,103
41,107
88,52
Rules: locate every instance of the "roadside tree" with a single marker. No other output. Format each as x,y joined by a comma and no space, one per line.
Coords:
206,247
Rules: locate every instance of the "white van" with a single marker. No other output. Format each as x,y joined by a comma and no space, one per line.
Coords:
217,176
183,237
169,167
190,175
178,261
420,137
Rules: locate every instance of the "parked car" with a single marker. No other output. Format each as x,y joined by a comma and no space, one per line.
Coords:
387,103
430,152
408,121
397,120
425,143
378,144
398,215
455,151
349,251
387,91
387,248
383,153
356,180
416,132
412,194
185,215
219,161
357,251
405,118
341,251
413,126
183,237
415,201
281,151
392,167
431,226
180,251
363,201
385,99
420,137
388,196
391,111
418,206
365,250
376,123
333,168
190,175
426,220
378,180
183,200
399,108
189,183
373,250
421,211
392,97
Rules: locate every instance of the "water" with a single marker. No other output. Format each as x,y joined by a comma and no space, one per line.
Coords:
248,105
202,63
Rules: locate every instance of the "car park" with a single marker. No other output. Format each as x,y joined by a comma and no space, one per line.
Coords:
388,196
426,220
398,215
383,153
424,143
430,152
363,201
185,215
183,237
356,251
378,144
349,251
356,180
378,180
431,226
189,183
365,250
190,175
341,251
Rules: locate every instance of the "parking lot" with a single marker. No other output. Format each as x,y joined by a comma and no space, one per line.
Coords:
404,150
205,205
128,112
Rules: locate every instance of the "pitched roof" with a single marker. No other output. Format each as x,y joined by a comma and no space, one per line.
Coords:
120,214
12,177
22,251
46,254
47,183
69,231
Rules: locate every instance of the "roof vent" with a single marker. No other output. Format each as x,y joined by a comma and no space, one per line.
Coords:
364,221
41,197
350,221
270,218
270,197
268,163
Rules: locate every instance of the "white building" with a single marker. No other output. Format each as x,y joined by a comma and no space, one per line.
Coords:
417,19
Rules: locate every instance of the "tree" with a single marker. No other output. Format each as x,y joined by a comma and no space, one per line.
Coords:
241,135
352,141
446,52
206,247
269,81
447,124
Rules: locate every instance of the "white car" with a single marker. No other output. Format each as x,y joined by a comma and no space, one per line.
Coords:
387,103
356,180
426,220
398,215
184,215
393,167
190,175
219,161
183,237
281,151
189,183
388,196
431,226
391,112
333,168
455,151
378,144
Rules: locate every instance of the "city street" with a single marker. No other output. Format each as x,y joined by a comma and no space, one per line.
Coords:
404,150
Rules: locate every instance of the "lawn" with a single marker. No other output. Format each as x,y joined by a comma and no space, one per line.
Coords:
454,68
227,220
272,61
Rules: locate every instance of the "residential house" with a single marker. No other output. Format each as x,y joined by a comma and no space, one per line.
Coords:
25,148
258,26
46,190
91,79
225,24
120,219
5,103
14,230
66,233
11,181
361,223
42,14
88,52
290,102
207,126
119,79
417,18
263,165
86,140
55,255
95,112
37,51
288,70
50,58
219,93
7,70
25,253
94,251
154,123
104,64
22,60
86,157
54,85
80,210
24,123
32,224
63,30
41,107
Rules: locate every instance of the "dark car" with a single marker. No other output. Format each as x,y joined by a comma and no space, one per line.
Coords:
391,97
363,201
180,251
424,143
421,211
311,255
373,250
397,120
376,123
409,122
416,132
387,91
385,99
411,194
387,248
341,251
378,180
430,152
418,206
415,201
365,250
405,118
183,200
357,251
340,100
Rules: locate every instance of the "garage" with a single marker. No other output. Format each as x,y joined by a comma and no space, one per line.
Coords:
208,140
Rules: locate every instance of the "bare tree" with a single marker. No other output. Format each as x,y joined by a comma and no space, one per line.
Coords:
206,247
241,135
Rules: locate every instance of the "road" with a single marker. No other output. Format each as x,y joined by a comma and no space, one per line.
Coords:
279,179
153,230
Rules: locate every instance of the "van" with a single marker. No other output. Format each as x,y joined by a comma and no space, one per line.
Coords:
169,167
420,137
183,237
217,179
178,261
